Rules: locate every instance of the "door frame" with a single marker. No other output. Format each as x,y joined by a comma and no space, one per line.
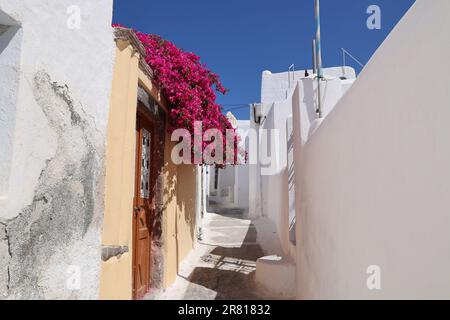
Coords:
142,114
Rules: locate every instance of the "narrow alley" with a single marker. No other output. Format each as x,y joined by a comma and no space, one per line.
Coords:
223,265
169,150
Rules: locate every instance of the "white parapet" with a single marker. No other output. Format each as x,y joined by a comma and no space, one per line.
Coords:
276,274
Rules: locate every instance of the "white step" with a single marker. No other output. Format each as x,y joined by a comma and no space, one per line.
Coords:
276,275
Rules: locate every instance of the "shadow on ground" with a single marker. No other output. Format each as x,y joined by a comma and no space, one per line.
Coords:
229,285
233,271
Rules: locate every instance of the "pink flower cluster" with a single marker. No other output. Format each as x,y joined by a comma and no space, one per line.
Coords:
189,86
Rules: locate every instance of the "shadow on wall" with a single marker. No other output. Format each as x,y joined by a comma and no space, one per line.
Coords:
7,34
180,191
186,190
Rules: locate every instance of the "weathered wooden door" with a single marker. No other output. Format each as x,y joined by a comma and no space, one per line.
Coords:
143,207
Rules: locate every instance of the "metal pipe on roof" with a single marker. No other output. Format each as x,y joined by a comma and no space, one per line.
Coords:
318,56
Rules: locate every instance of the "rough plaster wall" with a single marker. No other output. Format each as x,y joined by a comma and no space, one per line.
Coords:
59,228
185,212
170,218
179,214
52,215
81,58
158,237
4,259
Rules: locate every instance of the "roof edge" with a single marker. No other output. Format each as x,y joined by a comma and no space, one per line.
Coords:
125,34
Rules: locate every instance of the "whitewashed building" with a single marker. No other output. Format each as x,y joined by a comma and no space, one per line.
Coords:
56,65
272,176
374,195
229,187
371,178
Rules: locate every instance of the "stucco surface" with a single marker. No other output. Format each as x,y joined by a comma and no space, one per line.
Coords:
52,203
4,257
179,214
116,275
174,239
66,54
59,228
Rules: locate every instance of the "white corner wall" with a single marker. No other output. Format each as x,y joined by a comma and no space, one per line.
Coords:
375,177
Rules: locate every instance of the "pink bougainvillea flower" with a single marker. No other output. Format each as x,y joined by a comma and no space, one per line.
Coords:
189,86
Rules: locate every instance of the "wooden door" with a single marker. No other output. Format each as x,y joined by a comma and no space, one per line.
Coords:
143,207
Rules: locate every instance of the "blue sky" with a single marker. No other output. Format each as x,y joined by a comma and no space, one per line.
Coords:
238,39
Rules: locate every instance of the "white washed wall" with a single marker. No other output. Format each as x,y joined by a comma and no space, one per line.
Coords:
242,171
233,182
375,177
51,205
274,187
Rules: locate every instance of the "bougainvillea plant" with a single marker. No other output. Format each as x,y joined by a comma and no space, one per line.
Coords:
191,88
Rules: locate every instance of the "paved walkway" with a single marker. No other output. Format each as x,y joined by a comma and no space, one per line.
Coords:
223,265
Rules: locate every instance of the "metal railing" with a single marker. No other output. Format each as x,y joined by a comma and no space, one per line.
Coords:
344,60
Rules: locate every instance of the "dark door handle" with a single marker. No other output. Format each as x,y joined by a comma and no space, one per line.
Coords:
135,211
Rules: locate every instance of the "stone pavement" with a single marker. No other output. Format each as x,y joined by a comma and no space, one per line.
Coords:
222,266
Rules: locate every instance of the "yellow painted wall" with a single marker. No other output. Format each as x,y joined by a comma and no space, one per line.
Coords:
169,232
179,216
116,275
179,202
179,184
185,210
